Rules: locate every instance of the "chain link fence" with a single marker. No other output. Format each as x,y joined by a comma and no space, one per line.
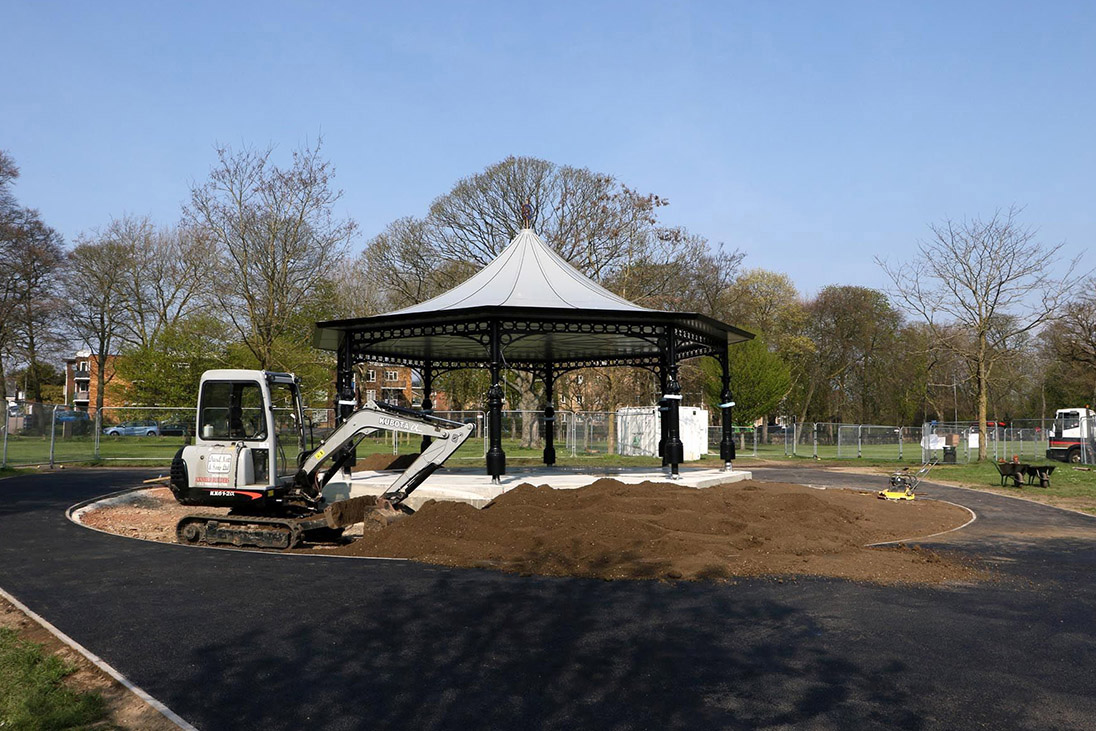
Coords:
36,434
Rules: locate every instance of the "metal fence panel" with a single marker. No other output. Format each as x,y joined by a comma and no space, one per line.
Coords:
34,434
142,433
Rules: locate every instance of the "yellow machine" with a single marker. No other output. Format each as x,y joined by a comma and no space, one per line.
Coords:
903,484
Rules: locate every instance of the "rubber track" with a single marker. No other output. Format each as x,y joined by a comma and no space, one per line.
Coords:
296,530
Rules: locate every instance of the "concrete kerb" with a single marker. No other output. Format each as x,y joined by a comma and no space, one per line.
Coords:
99,663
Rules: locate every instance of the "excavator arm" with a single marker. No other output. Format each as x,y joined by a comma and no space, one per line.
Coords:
447,437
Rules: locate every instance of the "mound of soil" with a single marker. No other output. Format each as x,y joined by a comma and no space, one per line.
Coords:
611,530
379,462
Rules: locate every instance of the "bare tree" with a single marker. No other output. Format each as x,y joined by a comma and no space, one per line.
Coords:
34,254
1074,333
97,306
8,216
608,231
400,270
276,239
163,273
980,285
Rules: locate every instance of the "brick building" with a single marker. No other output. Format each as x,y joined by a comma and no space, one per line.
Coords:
81,386
397,385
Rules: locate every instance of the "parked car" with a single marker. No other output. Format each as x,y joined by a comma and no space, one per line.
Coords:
176,428
143,428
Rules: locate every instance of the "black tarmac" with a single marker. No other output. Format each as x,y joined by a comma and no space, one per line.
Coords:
245,640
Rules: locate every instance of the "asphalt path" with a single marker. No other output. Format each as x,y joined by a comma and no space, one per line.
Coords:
245,640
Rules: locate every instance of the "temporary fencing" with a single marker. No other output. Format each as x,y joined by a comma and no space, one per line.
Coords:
50,434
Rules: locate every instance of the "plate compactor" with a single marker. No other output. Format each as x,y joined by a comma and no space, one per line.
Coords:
903,483
249,455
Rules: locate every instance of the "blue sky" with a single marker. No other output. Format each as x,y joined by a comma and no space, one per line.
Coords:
813,136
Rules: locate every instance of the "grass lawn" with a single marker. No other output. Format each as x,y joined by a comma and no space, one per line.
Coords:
33,694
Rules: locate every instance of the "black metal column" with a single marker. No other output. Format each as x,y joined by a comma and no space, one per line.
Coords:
427,404
726,445
496,458
663,411
345,398
675,450
549,416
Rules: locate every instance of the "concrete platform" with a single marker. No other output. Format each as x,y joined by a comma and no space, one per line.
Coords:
476,488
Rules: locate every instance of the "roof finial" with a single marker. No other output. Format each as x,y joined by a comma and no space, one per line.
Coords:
526,214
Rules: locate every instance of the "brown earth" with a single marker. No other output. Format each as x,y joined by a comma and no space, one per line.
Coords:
150,514
611,530
124,708
653,530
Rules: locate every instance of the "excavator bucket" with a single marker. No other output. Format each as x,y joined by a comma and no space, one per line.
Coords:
365,509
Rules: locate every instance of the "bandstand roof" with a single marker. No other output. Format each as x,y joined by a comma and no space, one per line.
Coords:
544,311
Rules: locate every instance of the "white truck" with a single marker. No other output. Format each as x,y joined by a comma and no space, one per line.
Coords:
1072,437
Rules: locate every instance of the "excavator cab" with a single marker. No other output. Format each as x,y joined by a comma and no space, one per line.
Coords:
249,439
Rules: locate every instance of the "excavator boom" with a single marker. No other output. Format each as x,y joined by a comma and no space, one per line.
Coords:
447,437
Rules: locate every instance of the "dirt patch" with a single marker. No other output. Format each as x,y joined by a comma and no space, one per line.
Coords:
653,530
125,709
612,530
149,513
380,462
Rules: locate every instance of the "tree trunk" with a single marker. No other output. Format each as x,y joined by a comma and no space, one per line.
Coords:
529,404
803,412
100,382
983,397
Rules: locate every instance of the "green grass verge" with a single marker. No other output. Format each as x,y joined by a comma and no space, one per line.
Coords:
1070,486
1065,482
33,694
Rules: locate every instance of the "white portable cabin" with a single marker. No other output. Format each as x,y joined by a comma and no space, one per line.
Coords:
637,431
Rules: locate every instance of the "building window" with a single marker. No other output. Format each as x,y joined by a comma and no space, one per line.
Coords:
370,394
391,376
371,376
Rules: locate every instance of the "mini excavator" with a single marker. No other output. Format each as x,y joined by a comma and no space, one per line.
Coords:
249,455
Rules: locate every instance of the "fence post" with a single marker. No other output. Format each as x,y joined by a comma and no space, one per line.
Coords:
899,444
814,433
4,463
98,431
859,440
52,434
